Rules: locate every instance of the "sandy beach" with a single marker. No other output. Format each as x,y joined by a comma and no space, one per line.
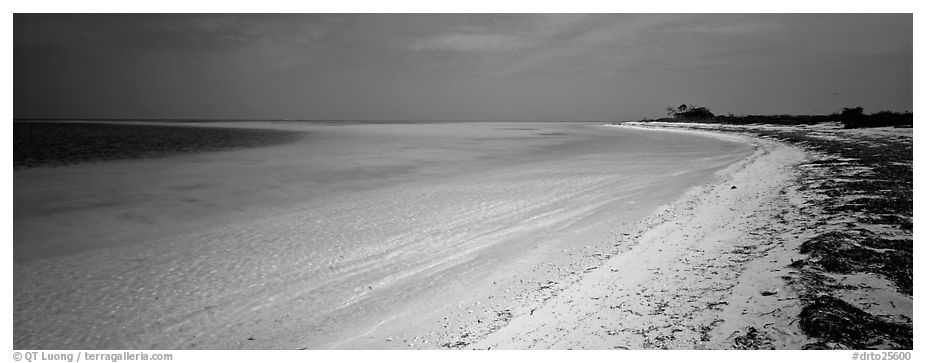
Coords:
570,236
849,281
698,274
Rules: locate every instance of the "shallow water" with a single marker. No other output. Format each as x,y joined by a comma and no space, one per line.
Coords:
311,243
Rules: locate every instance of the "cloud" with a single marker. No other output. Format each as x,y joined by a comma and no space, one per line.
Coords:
471,42
733,29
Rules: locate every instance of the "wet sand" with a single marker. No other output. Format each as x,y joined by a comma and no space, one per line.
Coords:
358,236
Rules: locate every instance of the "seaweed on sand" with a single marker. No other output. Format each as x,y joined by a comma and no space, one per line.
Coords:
839,324
884,196
867,180
844,253
752,339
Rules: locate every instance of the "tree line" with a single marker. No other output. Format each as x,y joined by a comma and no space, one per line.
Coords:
851,117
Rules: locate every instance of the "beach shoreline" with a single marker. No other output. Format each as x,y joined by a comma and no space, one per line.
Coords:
701,274
706,258
855,271
746,276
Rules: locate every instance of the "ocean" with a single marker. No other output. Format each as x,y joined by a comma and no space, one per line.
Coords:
42,144
342,237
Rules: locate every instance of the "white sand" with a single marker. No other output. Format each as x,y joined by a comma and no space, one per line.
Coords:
382,236
692,276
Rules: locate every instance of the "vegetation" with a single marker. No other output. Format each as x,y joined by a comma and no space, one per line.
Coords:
693,112
855,118
851,117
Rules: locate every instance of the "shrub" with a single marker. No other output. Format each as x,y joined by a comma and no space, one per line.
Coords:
855,118
693,112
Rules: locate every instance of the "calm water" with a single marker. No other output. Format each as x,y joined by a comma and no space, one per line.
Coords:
336,240
38,144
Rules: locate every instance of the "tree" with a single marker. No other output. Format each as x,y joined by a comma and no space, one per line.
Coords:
689,112
852,113
697,112
855,117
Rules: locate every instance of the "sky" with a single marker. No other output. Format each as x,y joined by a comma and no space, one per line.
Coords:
569,67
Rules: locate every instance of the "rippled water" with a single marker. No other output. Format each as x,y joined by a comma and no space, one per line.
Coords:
309,241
